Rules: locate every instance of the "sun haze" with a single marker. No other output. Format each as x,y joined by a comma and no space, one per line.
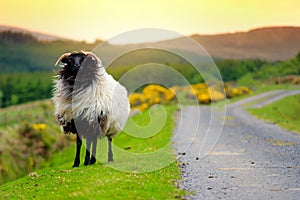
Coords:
92,19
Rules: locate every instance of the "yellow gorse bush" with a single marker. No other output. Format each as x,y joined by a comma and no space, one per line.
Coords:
152,94
215,95
136,99
206,95
39,127
203,98
237,91
142,107
156,94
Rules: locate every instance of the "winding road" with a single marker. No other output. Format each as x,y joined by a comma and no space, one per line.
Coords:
226,153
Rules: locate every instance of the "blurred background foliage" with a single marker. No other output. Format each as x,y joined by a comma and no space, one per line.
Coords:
27,67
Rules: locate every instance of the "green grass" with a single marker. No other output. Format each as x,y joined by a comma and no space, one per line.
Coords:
94,182
262,88
32,112
144,168
284,112
266,87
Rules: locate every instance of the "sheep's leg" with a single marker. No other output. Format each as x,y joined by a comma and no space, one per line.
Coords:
78,147
110,153
87,160
94,148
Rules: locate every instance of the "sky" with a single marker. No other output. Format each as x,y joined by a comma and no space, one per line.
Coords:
103,19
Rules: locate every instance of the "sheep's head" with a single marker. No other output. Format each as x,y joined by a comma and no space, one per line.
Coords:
86,62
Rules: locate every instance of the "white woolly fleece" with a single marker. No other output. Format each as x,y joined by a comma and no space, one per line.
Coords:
104,94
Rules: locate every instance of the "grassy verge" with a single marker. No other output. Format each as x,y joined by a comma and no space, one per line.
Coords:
118,180
284,112
261,88
23,148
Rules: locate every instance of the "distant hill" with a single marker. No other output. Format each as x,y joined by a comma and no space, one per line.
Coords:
23,50
274,43
38,35
271,44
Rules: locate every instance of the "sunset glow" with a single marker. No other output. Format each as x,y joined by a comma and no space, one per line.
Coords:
92,19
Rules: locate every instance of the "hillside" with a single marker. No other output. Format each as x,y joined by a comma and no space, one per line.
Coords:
275,43
268,44
38,35
271,44
25,51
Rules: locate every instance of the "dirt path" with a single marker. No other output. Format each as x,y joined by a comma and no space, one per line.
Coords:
250,159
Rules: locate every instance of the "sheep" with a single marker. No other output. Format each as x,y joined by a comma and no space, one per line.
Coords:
88,102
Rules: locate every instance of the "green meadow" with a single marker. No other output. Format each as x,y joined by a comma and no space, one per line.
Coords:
133,177
284,112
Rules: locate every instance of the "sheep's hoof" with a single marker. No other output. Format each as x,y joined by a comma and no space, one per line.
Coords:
93,160
110,160
75,165
87,162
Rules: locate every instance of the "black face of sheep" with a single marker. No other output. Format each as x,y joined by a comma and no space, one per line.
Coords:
75,62
82,69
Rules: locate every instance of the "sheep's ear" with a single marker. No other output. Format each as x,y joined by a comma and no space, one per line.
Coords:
90,54
90,60
63,58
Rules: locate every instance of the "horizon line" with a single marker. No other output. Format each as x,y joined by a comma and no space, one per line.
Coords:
63,37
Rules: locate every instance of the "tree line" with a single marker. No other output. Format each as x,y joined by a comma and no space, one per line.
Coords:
24,87
233,70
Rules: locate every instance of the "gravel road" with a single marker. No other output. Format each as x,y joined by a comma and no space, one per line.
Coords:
245,159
